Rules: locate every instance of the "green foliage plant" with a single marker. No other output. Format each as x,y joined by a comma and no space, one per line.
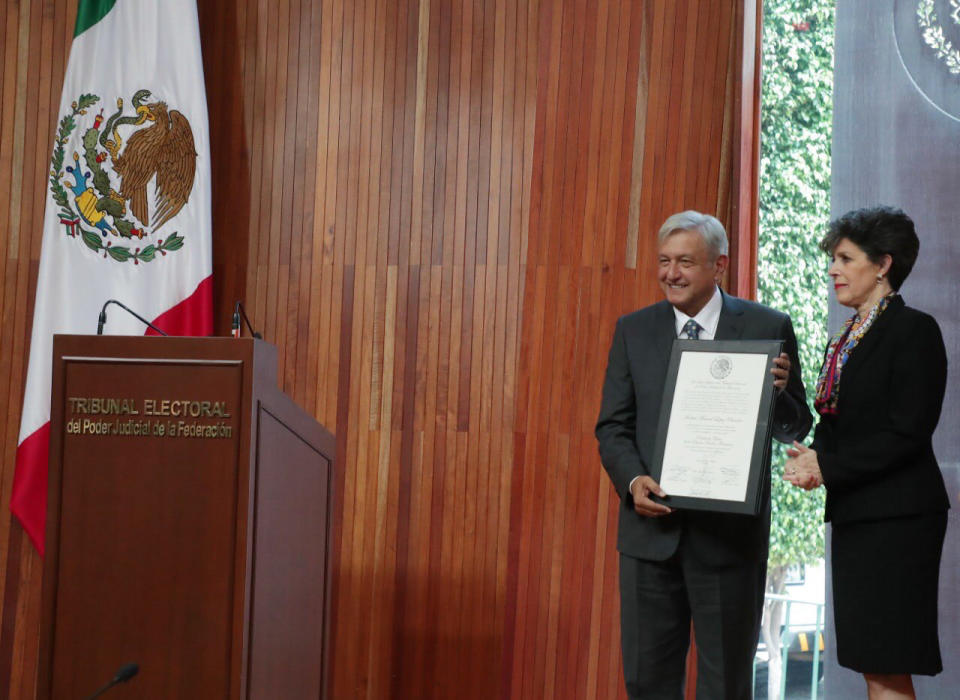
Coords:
796,120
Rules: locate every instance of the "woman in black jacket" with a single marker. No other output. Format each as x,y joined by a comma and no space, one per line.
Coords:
879,397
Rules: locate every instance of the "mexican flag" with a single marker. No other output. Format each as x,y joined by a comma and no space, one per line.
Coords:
127,203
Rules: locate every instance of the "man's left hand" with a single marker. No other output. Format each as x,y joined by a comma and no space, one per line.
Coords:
781,371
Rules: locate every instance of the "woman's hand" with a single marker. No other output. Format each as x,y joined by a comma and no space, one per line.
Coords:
802,469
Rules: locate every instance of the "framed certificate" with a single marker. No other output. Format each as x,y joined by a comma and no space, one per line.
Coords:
715,424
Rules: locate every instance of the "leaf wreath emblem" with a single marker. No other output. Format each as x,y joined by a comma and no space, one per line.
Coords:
91,211
933,35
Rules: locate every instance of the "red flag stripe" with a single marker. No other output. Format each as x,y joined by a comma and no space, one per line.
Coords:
192,316
29,500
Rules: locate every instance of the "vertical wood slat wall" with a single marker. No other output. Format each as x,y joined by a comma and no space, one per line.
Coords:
436,209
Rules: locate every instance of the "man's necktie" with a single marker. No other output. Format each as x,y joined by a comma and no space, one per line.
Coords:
691,330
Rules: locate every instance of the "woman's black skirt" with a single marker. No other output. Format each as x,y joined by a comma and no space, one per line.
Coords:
885,578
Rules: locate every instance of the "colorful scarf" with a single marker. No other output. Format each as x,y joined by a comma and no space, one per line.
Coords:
838,352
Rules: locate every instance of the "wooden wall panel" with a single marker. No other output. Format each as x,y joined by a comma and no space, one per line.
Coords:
436,209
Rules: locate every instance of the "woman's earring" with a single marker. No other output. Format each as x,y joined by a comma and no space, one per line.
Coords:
879,279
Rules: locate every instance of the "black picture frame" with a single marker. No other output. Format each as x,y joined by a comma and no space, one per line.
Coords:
750,505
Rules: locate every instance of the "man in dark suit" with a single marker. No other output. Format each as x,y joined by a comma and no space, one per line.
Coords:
680,566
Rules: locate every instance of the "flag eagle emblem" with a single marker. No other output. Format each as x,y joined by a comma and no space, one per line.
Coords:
159,149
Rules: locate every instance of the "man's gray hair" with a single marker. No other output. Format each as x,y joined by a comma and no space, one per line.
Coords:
707,226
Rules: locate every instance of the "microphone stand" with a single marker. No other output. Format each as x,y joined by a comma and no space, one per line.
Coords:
123,674
237,311
103,317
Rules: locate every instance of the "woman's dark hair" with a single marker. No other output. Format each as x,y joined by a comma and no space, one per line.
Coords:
878,231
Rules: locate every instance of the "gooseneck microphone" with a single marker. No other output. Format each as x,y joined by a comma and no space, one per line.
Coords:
123,674
238,310
103,317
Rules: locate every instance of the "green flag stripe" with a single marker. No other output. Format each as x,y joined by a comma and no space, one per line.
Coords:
90,12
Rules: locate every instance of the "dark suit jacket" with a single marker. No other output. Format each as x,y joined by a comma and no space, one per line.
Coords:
876,453
627,427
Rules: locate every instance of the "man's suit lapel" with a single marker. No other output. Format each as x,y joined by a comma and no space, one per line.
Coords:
730,325
665,330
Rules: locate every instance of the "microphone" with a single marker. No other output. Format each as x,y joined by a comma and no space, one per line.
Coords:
123,674
238,310
103,316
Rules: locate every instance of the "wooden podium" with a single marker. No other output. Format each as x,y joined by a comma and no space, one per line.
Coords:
188,523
